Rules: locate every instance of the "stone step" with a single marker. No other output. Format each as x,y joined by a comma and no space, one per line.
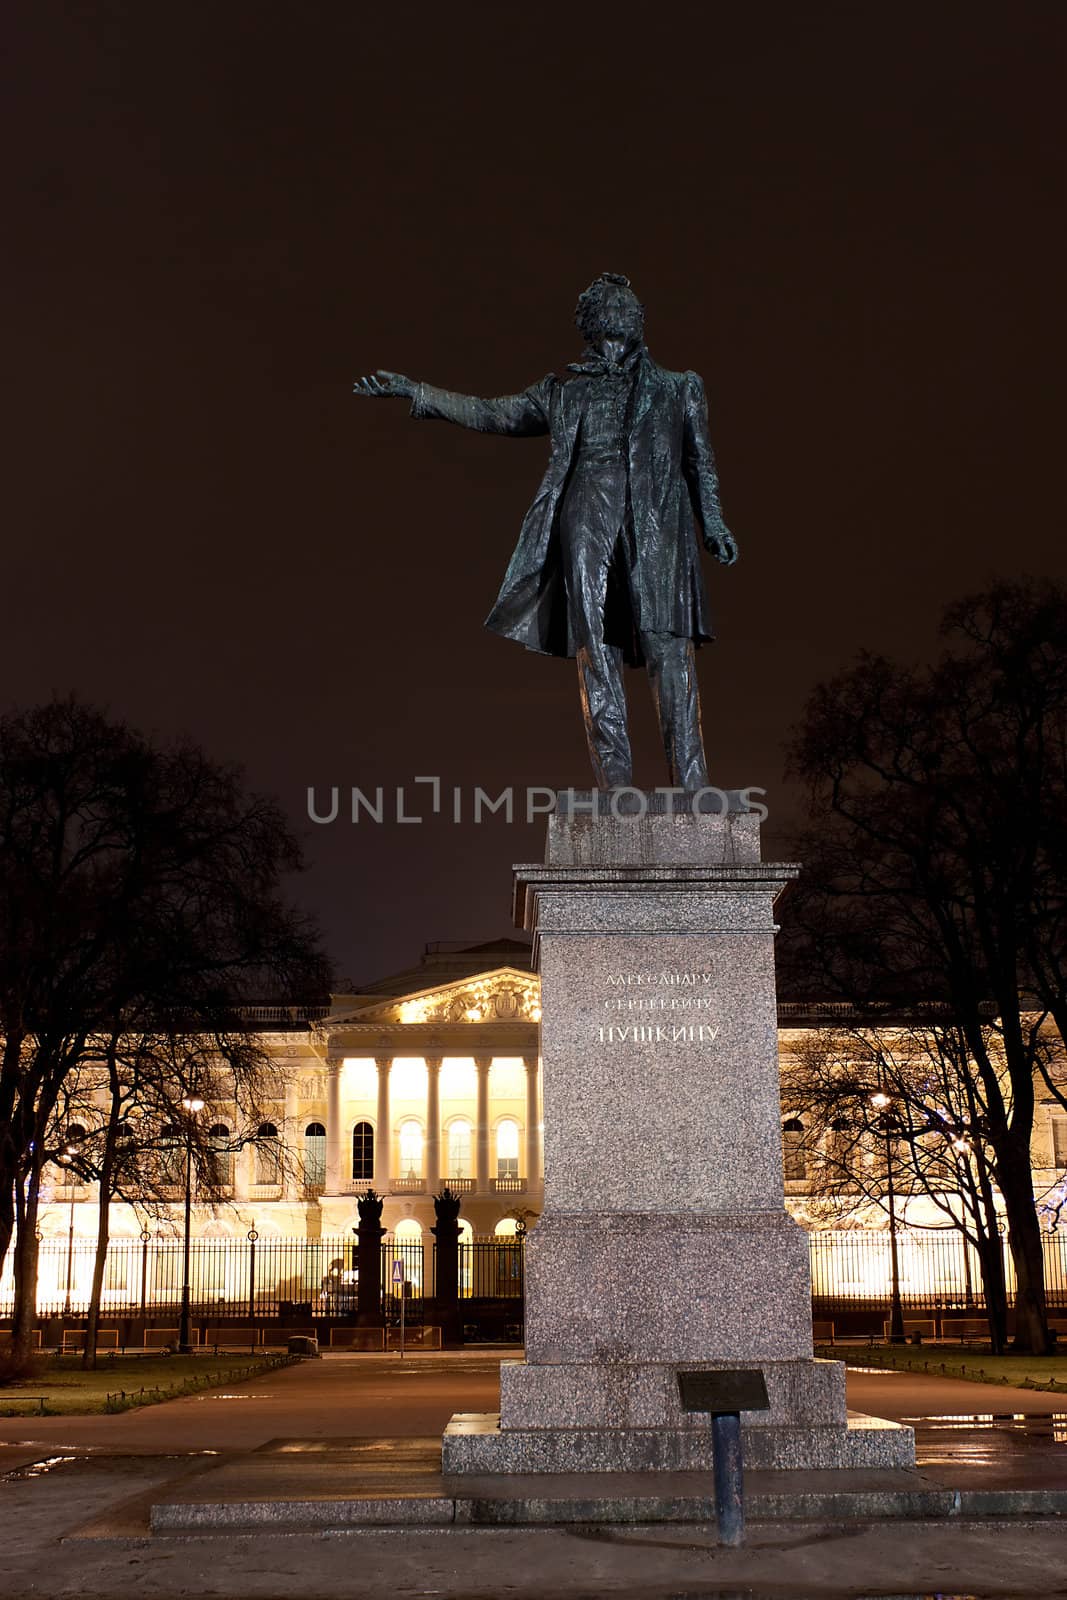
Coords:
307,1485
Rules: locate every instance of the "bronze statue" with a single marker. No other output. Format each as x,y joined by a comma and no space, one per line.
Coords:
607,567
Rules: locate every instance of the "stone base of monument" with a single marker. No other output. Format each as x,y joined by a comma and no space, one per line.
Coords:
664,1243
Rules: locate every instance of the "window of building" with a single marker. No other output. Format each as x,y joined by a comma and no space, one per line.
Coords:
793,1150
507,1149
268,1155
166,1267
410,1149
171,1157
838,1142
221,1154
362,1152
1059,1141
459,1149
315,1155
116,1270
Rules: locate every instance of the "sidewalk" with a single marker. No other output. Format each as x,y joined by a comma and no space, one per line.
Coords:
83,1513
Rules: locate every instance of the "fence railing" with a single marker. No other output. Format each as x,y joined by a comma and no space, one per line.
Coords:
939,1270
254,1277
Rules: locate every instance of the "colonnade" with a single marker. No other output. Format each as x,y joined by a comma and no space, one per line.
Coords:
335,1149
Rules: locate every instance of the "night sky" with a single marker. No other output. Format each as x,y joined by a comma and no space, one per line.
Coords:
848,218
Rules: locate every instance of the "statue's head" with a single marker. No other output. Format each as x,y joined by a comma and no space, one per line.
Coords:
610,309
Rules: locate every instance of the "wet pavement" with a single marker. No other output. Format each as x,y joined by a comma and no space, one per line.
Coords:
62,1474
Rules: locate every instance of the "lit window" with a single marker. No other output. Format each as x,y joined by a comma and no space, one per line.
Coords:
117,1267
793,1150
268,1155
315,1155
507,1149
221,1155
362,1152
1059,1141
410,1149
459,1149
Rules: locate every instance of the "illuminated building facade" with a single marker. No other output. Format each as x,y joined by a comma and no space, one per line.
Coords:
429,1077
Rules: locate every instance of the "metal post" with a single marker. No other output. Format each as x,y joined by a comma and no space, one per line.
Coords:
252,1237
145,1236
896,1311
403,1302
184,1320
729,1486
70,1253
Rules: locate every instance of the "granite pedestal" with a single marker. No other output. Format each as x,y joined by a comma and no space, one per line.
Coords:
664,1242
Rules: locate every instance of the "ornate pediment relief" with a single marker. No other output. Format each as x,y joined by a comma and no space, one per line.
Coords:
507,995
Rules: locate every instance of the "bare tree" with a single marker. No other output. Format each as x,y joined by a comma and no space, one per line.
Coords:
901,1104
935,865
139,894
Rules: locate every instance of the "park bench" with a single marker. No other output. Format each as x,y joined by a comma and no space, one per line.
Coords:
357,1338
420,1337
226,1336
927,1326
963,1328
159,1338
74,1339
5,1338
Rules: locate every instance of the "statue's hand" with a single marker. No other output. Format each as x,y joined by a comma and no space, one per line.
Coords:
723,546
385,385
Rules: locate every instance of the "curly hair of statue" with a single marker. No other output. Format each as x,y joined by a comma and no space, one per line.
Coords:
591,301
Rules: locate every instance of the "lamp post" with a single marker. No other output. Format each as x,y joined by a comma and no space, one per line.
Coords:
896,1311
191,1104
67,1162
961,1147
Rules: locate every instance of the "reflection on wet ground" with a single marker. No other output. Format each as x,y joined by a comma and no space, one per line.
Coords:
1008,1450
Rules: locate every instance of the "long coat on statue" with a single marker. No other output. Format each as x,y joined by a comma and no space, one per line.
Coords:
673,494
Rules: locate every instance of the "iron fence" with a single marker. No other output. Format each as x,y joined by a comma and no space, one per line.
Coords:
939,1270
258,1278
255,1277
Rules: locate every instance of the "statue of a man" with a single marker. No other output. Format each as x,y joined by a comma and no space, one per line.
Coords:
607,567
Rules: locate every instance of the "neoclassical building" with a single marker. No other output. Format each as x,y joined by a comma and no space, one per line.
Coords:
427,1077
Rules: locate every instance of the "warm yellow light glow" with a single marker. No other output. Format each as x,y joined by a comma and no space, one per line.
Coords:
193,1102
507,1078
880,1100
459,1080
417,1010
961,1147
407,1080
360,1080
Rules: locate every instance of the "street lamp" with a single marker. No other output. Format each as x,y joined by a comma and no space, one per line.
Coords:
191,1104
67,1162
881,1102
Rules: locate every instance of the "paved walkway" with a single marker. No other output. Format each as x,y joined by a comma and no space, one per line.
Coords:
90,1471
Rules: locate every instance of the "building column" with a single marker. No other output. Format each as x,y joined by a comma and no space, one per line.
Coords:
432,1154
333,1127
383,1133
293,1155
533,1120
481,1125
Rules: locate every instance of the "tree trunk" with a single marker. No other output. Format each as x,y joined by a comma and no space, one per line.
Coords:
994,1285
27,1200
1024,1238
103,1229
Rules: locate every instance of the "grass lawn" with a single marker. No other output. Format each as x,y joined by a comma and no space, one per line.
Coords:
1028,1372
118,1382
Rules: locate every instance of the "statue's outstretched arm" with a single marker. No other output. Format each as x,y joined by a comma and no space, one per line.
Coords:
698,464
519,414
